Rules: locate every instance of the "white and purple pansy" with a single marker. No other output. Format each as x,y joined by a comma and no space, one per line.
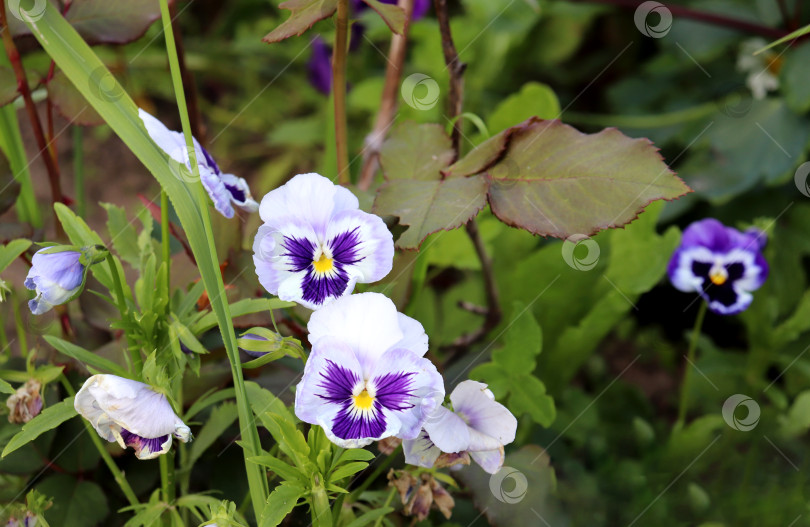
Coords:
721,264
316,244
56,275
226,190
130,413
367,378
478,425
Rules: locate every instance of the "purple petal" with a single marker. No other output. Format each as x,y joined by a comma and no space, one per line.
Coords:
319,67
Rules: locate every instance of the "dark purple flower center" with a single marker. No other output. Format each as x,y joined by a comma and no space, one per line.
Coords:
719,292
140,443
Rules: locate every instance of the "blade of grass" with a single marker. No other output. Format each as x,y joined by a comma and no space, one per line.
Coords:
12,145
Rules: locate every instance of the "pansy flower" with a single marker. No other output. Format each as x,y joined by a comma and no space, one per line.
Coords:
130,413
57,276
367,377
316,243
226,190
721,264
477,425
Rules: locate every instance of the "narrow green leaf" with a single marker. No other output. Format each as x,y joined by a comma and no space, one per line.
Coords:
245,306
207,399
49,419
89,359
10,251
221,418
12,145
280,503
347,470
6,387
284,470
370,516
787,38
187,337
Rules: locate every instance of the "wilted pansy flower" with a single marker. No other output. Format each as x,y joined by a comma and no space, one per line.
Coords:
477,425
316,243
56,276
366,378
762,70
131,413
225,190
721,264
25,403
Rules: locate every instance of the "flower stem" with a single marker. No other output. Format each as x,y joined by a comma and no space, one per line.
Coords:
388,501
165,243
78,172
121,302
690,360
339,90
382,467
102,450
257,480
15,305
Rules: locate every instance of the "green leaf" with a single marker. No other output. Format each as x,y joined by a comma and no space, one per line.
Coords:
89,359
221,418
187,337
246,306
11,143
70,102
11,187
347,470
795,78
280,503
787,38
10,251
284,470
534,98
304,13
393,15
213,396
6,387
122,234
430,206
75,503
529,395
416,151
49,419
8,85
370,516
355,454
523,341
556,181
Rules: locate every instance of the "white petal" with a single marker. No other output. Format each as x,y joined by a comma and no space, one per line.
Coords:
421,451
490,460
375,248
414,337
485,416
447,431
173,143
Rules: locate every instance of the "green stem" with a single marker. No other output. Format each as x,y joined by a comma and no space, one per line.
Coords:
257,481
382,467
165,244
78,172
388,500
660,120
687,374
121,302
15,305
102,450
339,90
321,512
167,472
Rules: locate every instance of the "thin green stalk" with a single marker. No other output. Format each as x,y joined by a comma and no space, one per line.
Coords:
12,144
4,347
319,501
388,501
165,240
382,467
118,476
78,171
690,356
257,481
167,472
15,305
339,90
121,302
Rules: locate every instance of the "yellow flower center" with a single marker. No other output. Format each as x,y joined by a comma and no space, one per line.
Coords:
323,264
718,275
363,400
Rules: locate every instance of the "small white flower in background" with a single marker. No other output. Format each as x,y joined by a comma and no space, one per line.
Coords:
4,290
225,190
477,425
762,69
56,277
131,413
25,403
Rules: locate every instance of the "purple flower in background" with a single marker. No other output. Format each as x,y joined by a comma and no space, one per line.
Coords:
131,413
56,276
316,243
367,377
721,264
225,190
477,425
420,7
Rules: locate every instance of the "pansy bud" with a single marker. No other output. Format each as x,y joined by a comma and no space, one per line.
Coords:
258,342
130,413
25,403
56,275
